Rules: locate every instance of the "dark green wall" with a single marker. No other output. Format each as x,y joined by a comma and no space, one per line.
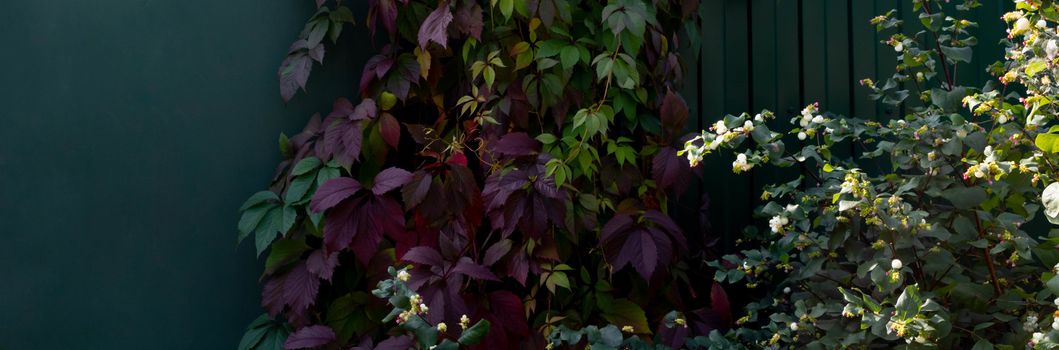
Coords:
130,132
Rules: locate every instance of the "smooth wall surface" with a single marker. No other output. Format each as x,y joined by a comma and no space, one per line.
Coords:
130,133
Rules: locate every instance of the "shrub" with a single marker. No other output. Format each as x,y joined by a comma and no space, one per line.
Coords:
509,165
920,240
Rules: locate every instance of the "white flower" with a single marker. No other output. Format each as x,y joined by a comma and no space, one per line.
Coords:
1056,301
759,118
442,327
776,223
804,122
403,276
1037,337
899,47
896,264
819,119
802,136
1042,24
740,164
1003,118
786,290
720,128
1055,324
748,126
1021,26
1051,48
794,326
791,207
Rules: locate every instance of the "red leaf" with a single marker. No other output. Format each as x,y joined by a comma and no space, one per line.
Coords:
333,192
435,27
390,179
390,130
719,303
310,337
674,115
516,144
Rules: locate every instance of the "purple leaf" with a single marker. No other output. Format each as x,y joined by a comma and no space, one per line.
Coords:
469,268
390,179
670,171
644,244
343,140
376,68
468,19
382,11
403,342
293,74
435,27
310,337
497,251
321,264
333,192
390,130
674,115
512,206
416,189
516,144
424,255
360,224
294,291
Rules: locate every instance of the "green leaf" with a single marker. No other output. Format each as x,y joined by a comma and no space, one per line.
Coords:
306,165
298,188
475,333
268,228
623,312
251,219
258,198
908,303
958,54
569,56
285,251
965,197
255,332
506,7
1036,66
1047,142
983,344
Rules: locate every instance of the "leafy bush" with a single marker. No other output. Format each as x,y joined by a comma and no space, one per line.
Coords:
519,156
921,240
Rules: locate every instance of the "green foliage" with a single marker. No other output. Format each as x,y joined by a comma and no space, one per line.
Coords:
924,239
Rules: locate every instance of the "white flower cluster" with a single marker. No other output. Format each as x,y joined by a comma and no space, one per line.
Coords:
740,164
809,120
778,222
718,135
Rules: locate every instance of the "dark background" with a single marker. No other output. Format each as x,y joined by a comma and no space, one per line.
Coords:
131,130
130,133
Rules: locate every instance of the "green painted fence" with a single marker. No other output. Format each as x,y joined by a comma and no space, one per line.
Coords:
131,130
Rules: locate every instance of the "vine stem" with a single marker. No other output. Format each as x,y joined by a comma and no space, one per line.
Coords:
937,47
